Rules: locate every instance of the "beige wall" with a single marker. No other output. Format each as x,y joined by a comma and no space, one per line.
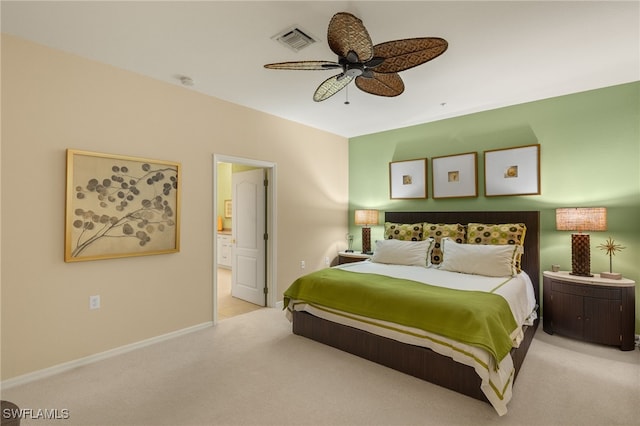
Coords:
52,101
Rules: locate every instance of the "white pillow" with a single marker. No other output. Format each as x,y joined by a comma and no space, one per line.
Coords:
401,252
480,259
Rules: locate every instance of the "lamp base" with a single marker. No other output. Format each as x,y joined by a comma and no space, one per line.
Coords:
580,255
366,240
611,275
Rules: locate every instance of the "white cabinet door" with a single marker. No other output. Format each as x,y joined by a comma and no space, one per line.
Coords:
224,251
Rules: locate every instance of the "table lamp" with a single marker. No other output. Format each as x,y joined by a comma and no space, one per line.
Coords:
580,220
366,218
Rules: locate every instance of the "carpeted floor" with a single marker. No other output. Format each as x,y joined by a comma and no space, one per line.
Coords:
250,370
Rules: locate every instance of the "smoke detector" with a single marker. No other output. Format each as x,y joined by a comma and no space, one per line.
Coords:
294,38
186,80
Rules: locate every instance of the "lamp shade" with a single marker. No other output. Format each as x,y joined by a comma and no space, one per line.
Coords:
581,219
366,217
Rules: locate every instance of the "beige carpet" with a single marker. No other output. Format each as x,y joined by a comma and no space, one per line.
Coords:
250,370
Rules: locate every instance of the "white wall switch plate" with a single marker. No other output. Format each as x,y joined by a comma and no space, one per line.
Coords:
94,302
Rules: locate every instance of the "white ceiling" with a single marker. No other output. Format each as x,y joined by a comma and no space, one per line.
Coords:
500,53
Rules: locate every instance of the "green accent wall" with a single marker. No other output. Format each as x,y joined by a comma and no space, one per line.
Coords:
589,156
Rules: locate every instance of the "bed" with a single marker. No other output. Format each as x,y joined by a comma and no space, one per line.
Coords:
481,368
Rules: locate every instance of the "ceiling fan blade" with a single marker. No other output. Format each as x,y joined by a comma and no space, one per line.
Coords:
381,84
347,33
401,55
304,65
331,86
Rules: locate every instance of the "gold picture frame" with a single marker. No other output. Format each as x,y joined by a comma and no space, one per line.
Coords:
512,171
119,206
227,209
408,179
455,176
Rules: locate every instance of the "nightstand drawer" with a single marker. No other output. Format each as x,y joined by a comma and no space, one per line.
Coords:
587,290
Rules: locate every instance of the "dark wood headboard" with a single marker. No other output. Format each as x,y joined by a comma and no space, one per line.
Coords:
530,258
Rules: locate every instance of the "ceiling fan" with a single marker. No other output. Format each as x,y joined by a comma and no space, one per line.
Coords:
374,68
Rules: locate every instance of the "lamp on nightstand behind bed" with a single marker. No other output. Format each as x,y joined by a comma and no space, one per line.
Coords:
365,218
580,220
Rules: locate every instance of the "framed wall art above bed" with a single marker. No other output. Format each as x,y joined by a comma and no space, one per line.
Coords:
512,171
120,206
408,179
455,175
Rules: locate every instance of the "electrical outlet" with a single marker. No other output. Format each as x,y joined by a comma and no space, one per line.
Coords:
327,262
302,264
94,302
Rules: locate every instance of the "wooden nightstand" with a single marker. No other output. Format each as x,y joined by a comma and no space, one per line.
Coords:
349,257
593,309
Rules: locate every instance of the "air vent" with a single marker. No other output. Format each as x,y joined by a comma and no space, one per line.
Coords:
295,39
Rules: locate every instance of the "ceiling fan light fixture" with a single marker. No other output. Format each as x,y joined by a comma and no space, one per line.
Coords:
353,70
294,38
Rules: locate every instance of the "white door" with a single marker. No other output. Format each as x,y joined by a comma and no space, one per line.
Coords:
248,216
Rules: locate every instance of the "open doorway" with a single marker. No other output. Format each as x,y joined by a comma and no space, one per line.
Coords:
229,305
244,237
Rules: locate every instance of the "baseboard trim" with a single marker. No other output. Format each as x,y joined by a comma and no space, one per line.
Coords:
280,305
60,368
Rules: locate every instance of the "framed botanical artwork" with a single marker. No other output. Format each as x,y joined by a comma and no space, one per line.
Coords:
455,175
512,171
119,206
408,179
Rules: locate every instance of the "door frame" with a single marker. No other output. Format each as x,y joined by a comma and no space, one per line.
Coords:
270,226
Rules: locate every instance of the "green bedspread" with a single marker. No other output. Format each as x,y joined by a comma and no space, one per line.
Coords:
472,317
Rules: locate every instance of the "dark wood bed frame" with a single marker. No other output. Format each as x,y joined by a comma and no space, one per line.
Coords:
415,360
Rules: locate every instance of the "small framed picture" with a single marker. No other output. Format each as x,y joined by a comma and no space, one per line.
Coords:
512,171
408,179
227,209
455,175
119,206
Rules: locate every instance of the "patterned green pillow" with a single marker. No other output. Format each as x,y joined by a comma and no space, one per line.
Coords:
403,231
505,233
437,231
498,234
